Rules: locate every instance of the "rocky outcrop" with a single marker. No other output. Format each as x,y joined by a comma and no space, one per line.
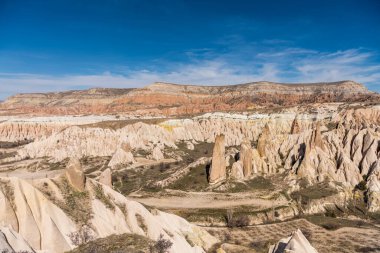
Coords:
157,154
41,213
11,241
246,157
106,177
263,141
316,138
374,188
237,171
218,166
122,156
295,129
75,174
296,243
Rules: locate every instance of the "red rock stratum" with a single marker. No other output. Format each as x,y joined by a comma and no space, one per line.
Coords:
174,99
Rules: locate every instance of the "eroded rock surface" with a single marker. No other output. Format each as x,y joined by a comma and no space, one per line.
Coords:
40,213
75,174
296,243
218,165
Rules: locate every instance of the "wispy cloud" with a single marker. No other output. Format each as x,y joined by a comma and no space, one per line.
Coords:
281,65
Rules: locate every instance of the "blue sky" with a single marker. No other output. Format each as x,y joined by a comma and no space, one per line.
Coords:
66,44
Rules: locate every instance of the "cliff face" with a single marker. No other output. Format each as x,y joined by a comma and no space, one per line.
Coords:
173,99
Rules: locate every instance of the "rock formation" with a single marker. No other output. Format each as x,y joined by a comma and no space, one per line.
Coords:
374,188
157,154
237,170
296,243
106,177
218,167
40,214
295,129
246,157
263,140
11,241
121,157
316,138
75,174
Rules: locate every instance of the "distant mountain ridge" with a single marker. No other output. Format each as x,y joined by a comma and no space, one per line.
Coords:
176,99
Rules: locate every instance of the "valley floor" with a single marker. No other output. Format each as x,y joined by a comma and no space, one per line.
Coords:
342,240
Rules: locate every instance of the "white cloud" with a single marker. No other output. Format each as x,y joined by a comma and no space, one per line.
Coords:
287,65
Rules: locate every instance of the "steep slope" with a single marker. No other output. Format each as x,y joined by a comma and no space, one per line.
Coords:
174,99
49,213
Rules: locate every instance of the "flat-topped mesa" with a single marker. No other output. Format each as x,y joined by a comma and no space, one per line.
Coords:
218,167
174,99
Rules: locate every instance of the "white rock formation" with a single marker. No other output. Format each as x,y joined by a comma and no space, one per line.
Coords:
75,175
11,241
237,171
218,164
33,210
106,177
157,154
296,243
121,157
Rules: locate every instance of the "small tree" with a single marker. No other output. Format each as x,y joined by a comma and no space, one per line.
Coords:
162,245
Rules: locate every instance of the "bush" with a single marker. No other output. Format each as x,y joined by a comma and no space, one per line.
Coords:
82,236
362,186
242,221
330,226
162,245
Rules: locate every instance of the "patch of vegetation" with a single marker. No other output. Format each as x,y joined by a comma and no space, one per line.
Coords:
333,223
236,221
75,204
318,191
162,245
331,126
240,215
257,183
361,186
7,144
144,177
262,246
99,194
4,155
117,124
91,164
125,243
195,180
141,223
8,191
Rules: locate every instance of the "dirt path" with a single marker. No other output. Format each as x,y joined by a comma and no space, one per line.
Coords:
208,200
24,174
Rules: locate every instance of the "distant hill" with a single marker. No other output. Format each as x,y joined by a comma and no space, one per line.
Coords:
175,99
